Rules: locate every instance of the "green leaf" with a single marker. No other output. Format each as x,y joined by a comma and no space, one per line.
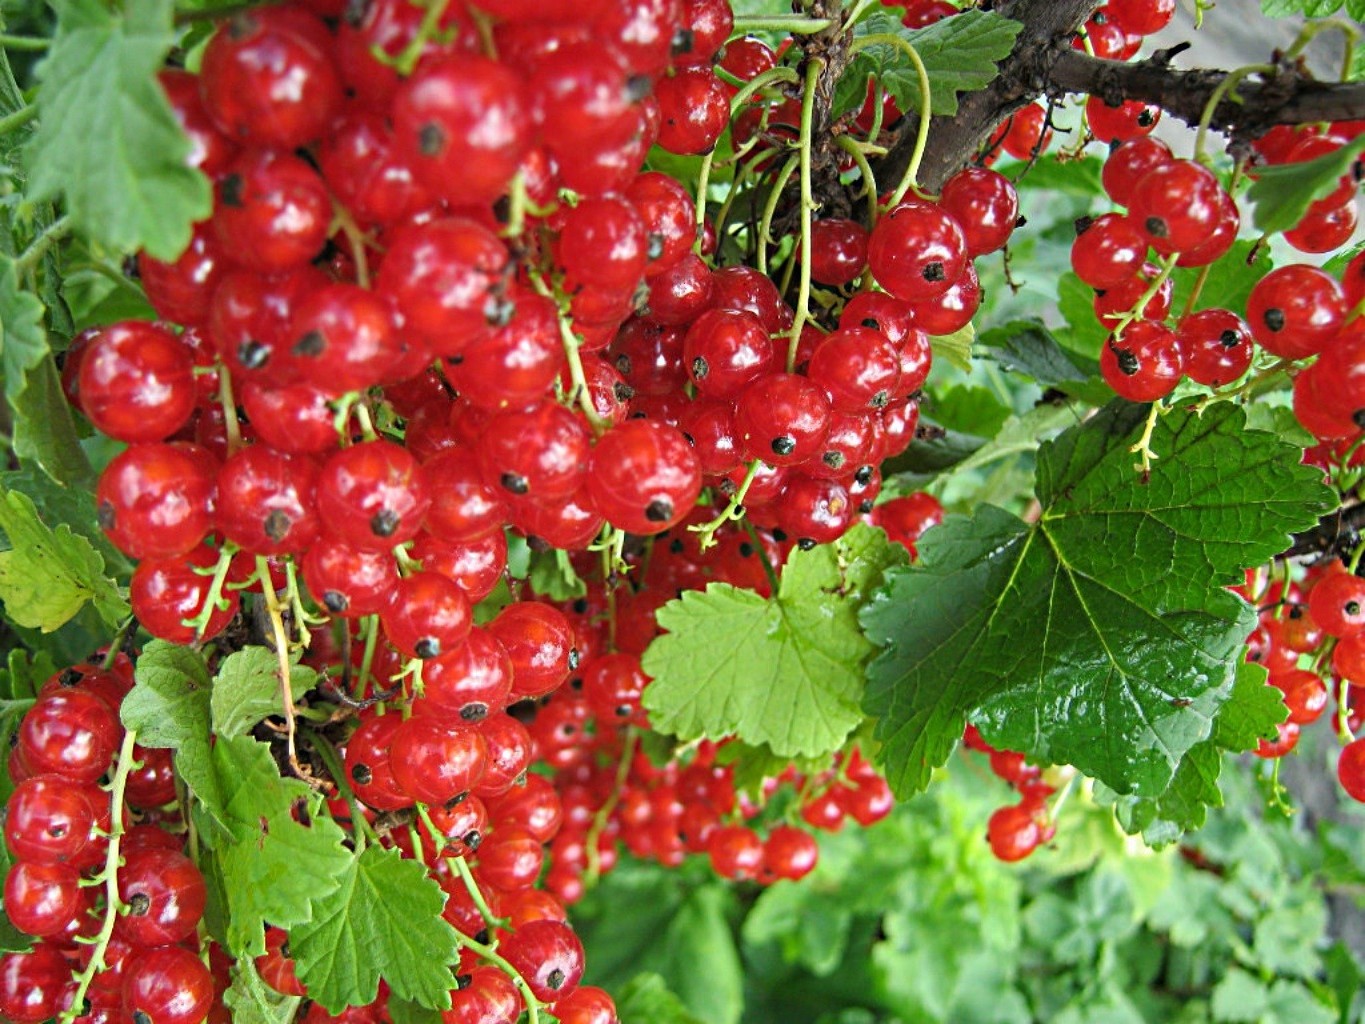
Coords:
1312,8
1250,714
72,506
106,139
1027,346
1282,193
262,845
48,575
955,348
1083,334
1292,1003
1101,635
1239,997
1229,280
22,336
968,408
647,1000
383,919
169,707
247,689
403,1012
959,55
253,1002
786,672
552,575
44,431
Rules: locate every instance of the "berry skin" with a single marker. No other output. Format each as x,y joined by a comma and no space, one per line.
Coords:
917,251
1351,769
1217,346
137,382
268,80
1337,604
166,592
372,496
540,454
695,108
548,955
1295,311
858,367
266,503
1013,832
838,250
427,615
463,125
782,419
271,211
985,205
1108,251
1176,206
725,349
167,985
166,895
643,477
1145,364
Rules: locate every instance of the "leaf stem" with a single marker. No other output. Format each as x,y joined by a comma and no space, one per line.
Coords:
471,884
38,248
911,177
16,120
572,345
275,612
109,876
851,147
593,869
28,44
361,829
765,222
733,511
1224,88
793,24
814,68
117,641
762,551
231,426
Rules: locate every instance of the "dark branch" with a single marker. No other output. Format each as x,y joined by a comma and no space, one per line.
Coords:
1044,62
1288,97
1048,27
1337,533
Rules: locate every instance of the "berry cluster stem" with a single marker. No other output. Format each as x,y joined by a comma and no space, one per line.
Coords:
599,820
814,68
275,612
109,876
910,179
732,512
213,601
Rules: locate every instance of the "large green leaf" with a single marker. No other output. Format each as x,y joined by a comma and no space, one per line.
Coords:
1100,635
107,140
265,841
1282,193
382,919
785,671
959,54
47,575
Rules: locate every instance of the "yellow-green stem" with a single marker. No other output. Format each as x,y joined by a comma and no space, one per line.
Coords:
911,177
109,876
814,68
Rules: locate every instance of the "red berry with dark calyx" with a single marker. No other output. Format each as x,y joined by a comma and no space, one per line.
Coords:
782,419
463,125
1145,363
427,615
917,250
643,476
548,955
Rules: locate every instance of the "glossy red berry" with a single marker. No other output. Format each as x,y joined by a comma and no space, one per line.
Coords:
1145,363
1217,346
137,381
426,615
1351,769
272,211
783,419
167,985
463,124
372,496
1295,311
917,251
643,476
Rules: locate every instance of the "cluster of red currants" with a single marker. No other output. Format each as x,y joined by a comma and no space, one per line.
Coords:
1311,637
1016,830
70,860
1179,210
